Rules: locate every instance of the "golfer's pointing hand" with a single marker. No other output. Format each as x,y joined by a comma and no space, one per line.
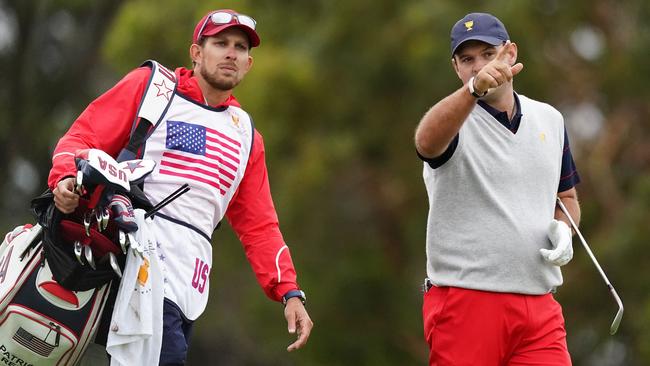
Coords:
498,71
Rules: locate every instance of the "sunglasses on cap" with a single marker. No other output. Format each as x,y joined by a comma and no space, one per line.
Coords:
222,17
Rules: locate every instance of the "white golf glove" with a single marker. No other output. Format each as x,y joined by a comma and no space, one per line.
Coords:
560,235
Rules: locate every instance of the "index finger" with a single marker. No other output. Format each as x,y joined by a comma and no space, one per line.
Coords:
291,322
502,55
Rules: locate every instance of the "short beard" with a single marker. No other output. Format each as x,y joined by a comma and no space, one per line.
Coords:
222,85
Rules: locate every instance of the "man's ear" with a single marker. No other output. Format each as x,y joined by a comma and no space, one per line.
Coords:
455,65
514,51
250,63
195,53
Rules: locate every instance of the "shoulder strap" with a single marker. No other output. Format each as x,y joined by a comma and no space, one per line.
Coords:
154,104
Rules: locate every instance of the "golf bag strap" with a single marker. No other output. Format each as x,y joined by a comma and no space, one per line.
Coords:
138,136
156,99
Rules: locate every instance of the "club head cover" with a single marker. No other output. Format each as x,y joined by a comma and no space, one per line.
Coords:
122,213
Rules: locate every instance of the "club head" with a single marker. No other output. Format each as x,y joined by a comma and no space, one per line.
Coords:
619,314
116,268
88,254
105,217
617,321
98,218
87,224
77,251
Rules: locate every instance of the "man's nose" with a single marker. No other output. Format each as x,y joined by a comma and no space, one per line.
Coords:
477,66
231,53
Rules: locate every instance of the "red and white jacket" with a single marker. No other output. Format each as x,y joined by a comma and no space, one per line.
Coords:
106,124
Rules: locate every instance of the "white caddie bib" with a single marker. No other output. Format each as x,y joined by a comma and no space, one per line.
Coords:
208,148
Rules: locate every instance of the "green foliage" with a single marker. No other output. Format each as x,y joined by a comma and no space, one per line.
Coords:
337,89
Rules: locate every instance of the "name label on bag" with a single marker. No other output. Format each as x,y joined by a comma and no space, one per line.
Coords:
6,358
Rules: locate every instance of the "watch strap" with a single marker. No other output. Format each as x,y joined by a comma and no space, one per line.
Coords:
294,293
470,86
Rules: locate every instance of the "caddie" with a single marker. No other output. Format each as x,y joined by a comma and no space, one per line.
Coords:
205,138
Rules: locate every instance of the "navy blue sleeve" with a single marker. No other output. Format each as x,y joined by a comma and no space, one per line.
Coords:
569,177
444,157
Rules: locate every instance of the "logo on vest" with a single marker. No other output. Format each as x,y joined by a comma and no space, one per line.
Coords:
200,277
235,120
163,90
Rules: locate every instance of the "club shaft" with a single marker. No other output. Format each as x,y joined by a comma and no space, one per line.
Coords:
617,319
174,195
584,243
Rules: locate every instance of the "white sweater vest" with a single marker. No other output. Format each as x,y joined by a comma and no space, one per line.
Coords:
492,202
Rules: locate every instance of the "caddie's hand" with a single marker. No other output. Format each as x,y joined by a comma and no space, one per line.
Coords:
65,199
498,71
298,321
560,235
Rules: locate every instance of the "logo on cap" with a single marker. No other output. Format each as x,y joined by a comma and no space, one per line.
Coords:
469,25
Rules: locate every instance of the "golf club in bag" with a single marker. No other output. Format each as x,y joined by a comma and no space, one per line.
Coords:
619,315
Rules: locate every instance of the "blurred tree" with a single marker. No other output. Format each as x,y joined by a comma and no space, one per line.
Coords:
337,89
49,55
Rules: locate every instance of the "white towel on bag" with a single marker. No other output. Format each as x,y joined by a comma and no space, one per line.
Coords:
135,333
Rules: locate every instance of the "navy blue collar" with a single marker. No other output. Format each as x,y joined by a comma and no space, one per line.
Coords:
502,117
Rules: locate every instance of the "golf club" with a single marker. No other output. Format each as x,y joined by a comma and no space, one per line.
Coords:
619,315
174,195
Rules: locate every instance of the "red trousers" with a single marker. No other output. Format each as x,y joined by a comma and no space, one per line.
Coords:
478,328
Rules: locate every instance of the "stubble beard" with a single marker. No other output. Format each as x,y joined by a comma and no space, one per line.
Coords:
218,83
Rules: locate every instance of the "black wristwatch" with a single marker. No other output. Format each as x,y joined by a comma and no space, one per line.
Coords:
294,293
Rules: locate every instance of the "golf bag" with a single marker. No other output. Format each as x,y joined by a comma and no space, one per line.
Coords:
41,322
55,276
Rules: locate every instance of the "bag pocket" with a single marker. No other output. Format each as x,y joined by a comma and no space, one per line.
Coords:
31,338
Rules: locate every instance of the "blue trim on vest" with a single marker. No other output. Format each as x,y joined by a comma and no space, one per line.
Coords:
153,65
164,113
185,224
125,155
150,64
